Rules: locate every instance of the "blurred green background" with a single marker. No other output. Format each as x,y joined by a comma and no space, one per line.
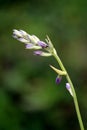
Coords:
29,97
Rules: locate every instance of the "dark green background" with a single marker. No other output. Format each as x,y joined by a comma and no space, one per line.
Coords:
29,97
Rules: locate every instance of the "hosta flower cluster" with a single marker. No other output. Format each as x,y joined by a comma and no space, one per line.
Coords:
46,48
33,42
40,48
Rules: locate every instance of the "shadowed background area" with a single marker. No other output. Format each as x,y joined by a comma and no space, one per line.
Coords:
29,97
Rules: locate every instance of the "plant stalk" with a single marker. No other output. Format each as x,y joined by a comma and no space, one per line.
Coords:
73,90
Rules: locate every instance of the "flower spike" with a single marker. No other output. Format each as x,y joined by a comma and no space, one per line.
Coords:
47,49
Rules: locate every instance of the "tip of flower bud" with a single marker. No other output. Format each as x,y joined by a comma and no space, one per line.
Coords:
42,44
58,79
16,33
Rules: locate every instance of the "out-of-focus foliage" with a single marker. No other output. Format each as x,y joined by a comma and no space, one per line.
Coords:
29,97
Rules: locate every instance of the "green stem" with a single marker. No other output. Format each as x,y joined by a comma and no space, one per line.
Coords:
73,90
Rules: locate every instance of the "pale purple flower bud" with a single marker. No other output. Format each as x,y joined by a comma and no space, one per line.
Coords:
29,46
23,33
32,46
33,39
58,79
41,53
69,88
23,40
38,52
42,44
36,38
16,33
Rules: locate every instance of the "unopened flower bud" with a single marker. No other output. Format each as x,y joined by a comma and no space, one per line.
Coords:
58,79
38,52
31,46
23,33
34,39
42,44
16,33
22,40
41,53
69,88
